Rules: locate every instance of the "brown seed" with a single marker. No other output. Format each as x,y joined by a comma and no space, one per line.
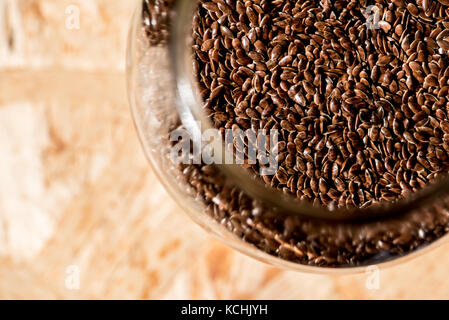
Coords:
385,26
445,126
252,16
323,186
210,6
413,9
409,137
443,44
277,50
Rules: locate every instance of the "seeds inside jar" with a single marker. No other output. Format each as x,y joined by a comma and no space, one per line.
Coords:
356,89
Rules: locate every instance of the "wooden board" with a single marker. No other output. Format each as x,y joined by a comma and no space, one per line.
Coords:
78,200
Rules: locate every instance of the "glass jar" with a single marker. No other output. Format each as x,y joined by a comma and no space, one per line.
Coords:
229,202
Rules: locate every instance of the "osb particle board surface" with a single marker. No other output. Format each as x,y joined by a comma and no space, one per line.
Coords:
76,190
85,35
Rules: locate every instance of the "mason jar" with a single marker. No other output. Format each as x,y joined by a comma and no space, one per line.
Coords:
242,206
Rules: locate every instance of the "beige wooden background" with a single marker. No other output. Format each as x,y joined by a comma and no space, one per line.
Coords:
76,193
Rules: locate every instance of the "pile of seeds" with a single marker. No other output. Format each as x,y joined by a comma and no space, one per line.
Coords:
157,20
362,114
357,89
